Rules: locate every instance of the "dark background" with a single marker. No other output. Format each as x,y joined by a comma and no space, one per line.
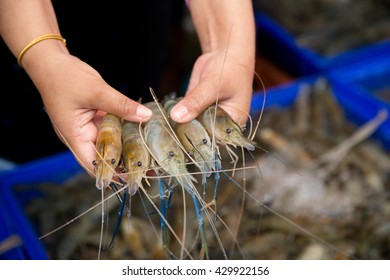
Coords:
133,48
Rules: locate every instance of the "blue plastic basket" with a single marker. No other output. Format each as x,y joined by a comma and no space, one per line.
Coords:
358,104
362,81
13,220
282,47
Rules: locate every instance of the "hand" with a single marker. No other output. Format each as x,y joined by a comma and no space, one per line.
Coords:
75,97
218,75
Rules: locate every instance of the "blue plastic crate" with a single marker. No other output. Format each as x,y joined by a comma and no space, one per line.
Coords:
366,81
282,47
359,106
13,220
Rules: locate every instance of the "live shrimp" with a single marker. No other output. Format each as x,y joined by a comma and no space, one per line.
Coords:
196,142
108,150
226,132
170,157
135,155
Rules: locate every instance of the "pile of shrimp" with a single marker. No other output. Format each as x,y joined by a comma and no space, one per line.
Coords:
129,156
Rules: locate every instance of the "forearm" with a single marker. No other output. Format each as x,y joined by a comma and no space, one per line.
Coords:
22,21
222,24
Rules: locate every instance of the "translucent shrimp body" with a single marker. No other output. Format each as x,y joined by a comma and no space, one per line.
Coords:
135,156
108,150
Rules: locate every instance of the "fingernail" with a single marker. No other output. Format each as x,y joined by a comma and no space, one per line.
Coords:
179,113
143,112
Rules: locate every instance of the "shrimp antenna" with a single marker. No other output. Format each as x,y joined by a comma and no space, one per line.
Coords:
219,88
262,107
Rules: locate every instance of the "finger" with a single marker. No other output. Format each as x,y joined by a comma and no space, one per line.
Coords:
114,102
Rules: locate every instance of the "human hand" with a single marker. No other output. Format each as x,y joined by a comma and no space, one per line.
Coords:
76,97
223,76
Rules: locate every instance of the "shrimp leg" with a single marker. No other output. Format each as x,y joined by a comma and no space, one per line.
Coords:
163,209
120,214
200,219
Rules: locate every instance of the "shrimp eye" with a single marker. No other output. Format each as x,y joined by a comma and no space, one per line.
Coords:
204,141
171,154
228,131
113,161
94,162
139,164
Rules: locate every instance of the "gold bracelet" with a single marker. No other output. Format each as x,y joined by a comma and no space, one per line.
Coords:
37,40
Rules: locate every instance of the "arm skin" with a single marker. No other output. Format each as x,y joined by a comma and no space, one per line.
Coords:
74,94
226,30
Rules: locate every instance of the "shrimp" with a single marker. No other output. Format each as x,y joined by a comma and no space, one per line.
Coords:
196,141
226,132
170,157
135,156
167,153
136,159
108,150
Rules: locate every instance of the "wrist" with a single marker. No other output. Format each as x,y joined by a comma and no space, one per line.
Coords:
42,52
221,24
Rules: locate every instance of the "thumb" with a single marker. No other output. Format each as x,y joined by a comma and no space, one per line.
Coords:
114,102
194,102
